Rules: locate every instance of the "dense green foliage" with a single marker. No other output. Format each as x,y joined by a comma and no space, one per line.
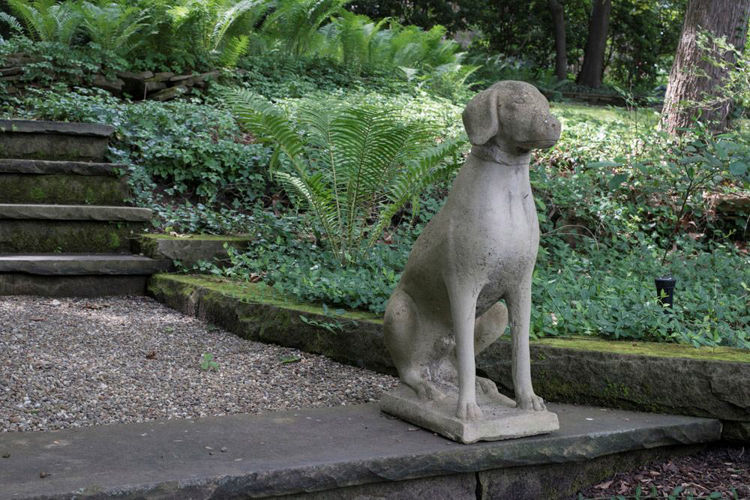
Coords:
615,197
184,35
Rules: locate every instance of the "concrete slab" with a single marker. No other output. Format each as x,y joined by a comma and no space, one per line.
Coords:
81,264
47,127
304,451
71,286
74,212
47,167
498,422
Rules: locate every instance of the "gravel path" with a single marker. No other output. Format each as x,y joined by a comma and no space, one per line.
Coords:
77,362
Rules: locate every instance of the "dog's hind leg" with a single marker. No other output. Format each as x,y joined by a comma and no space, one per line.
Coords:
408,346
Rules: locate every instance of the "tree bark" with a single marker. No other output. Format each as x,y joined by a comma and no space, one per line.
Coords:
692,78
593,58
561,51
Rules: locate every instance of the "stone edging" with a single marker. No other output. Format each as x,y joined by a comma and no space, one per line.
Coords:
678,385
47,127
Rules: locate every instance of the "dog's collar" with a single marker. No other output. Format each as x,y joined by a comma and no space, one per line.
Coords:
495,154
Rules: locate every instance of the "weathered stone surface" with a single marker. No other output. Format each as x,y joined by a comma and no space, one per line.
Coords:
17,70
189,250
564,481
55,128
607,374
114,86
74,212
498,421
51,146
40,236
168,93
130,75
63,189
304,451
54,140
153,86
70,286
81,264
453,487
46,167
736,431
670,385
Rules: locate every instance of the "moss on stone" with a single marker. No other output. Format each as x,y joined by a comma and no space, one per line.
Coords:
649,349
260,293
63,189
198,237
39,236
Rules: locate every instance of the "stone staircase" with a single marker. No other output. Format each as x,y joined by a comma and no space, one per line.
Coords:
65,229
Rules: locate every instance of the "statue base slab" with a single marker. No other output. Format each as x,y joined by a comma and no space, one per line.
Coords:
499,421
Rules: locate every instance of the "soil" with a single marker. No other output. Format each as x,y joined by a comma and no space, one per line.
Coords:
717,472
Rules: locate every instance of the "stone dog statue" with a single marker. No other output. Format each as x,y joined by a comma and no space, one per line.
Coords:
480,248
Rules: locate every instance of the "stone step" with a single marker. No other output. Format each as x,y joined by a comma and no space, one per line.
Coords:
343,452
54,140
73,213
81,264
69,228
76,275
62,182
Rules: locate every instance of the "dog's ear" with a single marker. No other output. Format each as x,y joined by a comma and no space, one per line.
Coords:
480,116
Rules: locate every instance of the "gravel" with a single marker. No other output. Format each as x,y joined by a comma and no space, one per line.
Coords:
68,363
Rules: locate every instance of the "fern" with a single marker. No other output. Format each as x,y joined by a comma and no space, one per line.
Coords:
295,23
112,26
12,23
356,167
47,21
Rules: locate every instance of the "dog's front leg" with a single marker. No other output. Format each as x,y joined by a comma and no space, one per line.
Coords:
519,312
463,311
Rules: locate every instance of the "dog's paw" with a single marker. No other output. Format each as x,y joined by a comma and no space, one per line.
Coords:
468,411
532,402
489,389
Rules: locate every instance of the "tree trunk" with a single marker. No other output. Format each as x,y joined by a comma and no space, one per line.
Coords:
687,84
593,59
561,51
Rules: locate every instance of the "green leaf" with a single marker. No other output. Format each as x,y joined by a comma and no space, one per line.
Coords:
616,180
600,164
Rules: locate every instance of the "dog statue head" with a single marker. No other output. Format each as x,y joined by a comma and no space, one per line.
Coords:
512,116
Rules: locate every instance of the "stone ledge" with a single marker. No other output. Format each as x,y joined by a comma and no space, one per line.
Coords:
47,127
47,167
74,212
70,286
81,264
710,382
311,450
189,250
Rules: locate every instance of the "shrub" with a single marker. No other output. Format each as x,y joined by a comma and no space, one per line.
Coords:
353,168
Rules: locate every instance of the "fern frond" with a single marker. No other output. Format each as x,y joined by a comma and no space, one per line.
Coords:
227,19
11,22
431,167
235,48
47,21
